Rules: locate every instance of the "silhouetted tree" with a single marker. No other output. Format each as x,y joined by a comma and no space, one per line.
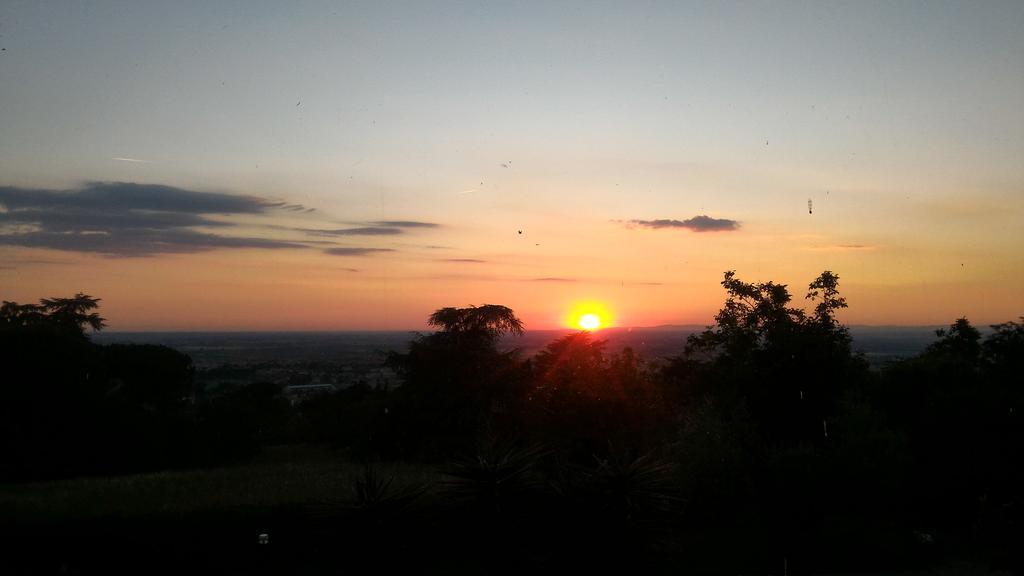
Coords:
960,342
759,395
72,407
956,402
825,290
70,315
488,322
788,368
358,417
582,398
1005,346
456,380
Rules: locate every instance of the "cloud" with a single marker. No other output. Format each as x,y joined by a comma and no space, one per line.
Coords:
127,219
556,279
364,231
465,260
355,251
842,248
36,261
139,242
292,207
137,160
405,224
379,228
700,223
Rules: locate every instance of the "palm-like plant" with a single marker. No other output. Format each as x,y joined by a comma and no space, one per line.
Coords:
497,477
634,486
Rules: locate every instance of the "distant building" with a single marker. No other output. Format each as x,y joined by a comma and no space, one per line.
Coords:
297,393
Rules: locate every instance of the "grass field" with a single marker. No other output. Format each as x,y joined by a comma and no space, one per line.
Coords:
281,476
211,519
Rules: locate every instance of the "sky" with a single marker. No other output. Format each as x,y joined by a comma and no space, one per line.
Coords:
333,166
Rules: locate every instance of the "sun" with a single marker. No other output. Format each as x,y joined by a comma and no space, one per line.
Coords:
589,315
589,322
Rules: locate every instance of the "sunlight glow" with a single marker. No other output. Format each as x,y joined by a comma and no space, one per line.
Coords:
589,315
590,322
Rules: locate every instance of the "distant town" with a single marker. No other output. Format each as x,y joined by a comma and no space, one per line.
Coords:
306,364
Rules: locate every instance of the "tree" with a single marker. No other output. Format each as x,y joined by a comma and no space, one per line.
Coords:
456,380
789,368
74,313
14,315
54,384
825,290
68,315
960,342
585,399
485,323
1005,346
751,318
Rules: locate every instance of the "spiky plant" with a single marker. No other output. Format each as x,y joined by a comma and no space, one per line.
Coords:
632,486
498,476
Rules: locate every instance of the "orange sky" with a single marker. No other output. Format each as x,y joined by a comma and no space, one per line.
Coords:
201,168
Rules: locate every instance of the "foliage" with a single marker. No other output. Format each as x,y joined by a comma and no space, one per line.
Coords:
357,418
960,341
71,406
242,419
789,369
455,381
488,322
497,477
767,435
68,315
634,486
582,398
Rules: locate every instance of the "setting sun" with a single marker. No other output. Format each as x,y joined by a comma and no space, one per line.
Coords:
589,322
589,315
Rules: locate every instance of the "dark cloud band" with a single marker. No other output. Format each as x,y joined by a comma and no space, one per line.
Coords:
355,251
364,231
700,223
405,224
127,219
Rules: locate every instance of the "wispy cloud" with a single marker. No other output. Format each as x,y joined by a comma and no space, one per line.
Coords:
364,231
292,207
374,228
127,219
136,160
36,261
842,248
699,223
552,279
355,251
405,224
464,260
